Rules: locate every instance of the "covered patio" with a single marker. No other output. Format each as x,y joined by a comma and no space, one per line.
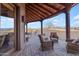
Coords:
40,12
27,13
33,48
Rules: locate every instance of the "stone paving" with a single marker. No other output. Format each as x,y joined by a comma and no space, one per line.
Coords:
32,48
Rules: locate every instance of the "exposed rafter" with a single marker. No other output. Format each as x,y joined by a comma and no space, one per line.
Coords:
47,8
34,12
41,11
53,6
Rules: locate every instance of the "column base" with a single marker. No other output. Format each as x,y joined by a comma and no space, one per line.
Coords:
69,40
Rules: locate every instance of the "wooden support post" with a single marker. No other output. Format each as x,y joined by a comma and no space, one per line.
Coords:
41,26
67,26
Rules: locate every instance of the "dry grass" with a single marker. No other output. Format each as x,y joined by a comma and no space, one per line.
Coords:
61,32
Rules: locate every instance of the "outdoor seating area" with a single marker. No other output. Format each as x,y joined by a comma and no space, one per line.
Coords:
47,42
58,39
33,48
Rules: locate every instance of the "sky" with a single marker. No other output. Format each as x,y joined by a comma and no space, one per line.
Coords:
58,21
6,22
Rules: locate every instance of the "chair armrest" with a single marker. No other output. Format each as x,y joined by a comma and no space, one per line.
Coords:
72,44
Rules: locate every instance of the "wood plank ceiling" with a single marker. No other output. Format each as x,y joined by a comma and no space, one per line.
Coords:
41,11
7,10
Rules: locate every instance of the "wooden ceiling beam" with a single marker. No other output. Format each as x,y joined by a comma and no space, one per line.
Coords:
26,20
30,21
41,9
29,17
29,11
6,12
63,4
55,6
50,5
35,13
9,6
46,7
34,9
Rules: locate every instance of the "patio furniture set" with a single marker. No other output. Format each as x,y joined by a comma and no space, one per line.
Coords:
48,42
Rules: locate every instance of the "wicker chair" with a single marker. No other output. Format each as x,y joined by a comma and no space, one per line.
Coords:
9,40
73,47
54,37
45,45
2,39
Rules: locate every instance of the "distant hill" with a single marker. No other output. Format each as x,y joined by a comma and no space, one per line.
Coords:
1,29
